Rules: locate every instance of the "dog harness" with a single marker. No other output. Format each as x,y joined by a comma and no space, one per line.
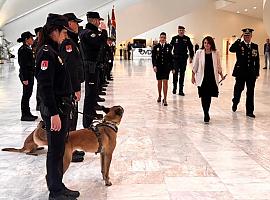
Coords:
95,128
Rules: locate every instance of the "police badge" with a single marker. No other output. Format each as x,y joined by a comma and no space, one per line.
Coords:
68,48
44,64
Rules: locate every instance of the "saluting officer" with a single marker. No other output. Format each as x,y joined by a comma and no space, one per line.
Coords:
26,61
246,70
162,61
181,45
91,41
55,94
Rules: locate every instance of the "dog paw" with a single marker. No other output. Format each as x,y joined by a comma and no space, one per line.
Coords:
108,183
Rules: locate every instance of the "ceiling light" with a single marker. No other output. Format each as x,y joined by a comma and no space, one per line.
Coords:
254,7
246,10
238,12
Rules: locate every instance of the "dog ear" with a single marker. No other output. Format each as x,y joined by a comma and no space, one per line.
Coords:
106,110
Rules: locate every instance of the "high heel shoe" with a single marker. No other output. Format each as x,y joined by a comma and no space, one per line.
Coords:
159,99
206,118
164,102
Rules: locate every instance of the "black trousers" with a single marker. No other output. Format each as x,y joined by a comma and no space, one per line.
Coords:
90,99
38,96
206,102
180,66
239,86
55,154
73,118
109,71
27,93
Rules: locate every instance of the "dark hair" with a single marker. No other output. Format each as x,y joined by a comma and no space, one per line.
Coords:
45,32
162,33
211,41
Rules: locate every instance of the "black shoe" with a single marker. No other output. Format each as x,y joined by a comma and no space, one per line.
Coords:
234,107
102,93
30,114
110,79
174,91
28,118
71,193
104,85
79,153
159,99
61,197
103,89
181,93
251,115
107,82
206,118
164,102
265,68
77,158
99,99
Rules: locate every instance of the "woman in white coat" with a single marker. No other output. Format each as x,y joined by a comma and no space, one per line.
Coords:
205,73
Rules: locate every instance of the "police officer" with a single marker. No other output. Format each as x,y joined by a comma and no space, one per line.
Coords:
181,45
27,69
70,52
110,58
246,70
34,47
91,41
162,61
55,94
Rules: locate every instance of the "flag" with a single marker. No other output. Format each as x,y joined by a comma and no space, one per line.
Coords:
113,25
109,24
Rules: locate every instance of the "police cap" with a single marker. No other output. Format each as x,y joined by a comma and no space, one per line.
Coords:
37,30
181,27
57,20
72,17
24,36
247,31
94,15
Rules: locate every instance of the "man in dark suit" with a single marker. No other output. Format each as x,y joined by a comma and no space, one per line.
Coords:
246,70
266,51
181,45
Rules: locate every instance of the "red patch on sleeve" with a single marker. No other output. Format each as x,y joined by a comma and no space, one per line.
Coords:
44,64
68,48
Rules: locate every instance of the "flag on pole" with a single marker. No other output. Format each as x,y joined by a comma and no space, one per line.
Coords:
113,25
109,25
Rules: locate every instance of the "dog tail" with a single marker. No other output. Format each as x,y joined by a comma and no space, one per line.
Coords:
14,149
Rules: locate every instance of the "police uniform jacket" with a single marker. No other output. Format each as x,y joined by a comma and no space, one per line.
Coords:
73,62
181,46
91,40
27,62
53,78
162,56
247,59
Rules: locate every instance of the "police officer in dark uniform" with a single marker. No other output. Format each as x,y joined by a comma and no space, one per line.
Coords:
162,61
181,45
246,70
91,41
34,47
110,58
55,94
27,69
72,58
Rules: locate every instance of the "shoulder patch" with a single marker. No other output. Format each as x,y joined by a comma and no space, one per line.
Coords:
44,64
93,35
69,48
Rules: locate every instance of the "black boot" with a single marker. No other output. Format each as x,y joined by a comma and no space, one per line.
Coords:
28,118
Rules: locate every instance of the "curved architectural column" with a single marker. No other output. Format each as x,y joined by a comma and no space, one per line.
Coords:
266,16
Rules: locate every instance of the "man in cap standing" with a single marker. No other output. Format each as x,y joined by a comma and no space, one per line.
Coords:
246,70
91,42
181,45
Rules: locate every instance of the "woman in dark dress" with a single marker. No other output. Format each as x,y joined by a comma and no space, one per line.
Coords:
162,65
205,73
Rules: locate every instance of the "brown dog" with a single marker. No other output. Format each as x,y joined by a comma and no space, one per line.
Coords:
33,142
84,139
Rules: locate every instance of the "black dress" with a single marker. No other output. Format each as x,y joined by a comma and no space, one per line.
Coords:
209,86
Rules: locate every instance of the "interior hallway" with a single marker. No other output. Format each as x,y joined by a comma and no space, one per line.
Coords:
163,153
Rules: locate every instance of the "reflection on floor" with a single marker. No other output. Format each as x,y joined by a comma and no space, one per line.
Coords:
162,152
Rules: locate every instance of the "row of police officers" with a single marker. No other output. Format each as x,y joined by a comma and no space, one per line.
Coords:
61,58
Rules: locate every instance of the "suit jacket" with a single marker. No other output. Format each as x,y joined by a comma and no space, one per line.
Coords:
199,65
247,59
162,56
264,49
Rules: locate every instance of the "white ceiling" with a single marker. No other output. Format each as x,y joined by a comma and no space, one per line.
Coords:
240,6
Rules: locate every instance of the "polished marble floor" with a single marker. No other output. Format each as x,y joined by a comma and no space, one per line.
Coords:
162,153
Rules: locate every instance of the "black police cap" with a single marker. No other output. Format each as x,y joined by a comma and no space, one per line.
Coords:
24,36
57,20
72,17
94,15
247,31
37,30
181,27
